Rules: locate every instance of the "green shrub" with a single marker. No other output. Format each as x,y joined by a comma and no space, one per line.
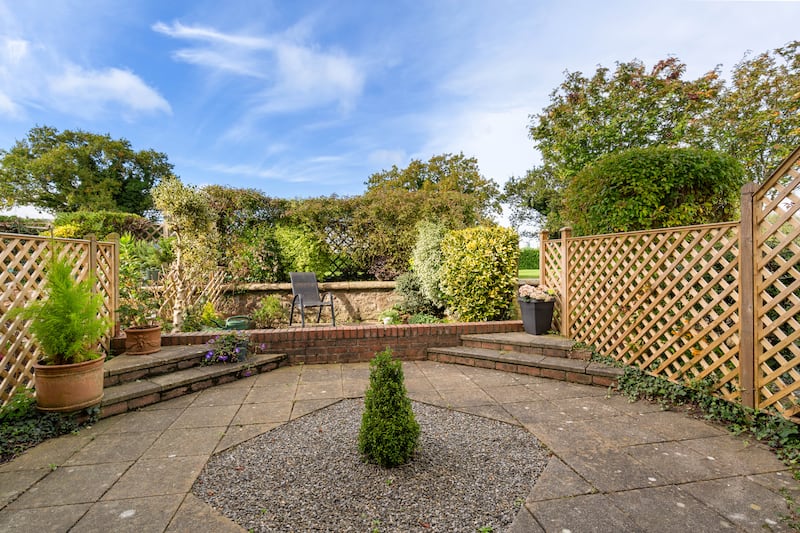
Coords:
100,223
413,302
656,187
392,314
301,251
209,316
479,272
426,261
529,259
422,318
389,432
270,312
255,256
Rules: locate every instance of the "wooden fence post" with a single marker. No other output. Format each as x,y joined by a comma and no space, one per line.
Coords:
92,238
543,235
566,325
114,293
747,297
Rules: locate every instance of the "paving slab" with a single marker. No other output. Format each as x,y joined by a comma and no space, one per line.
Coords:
185,442
304,407
71,484
47,454
494,412
589,513
263,413
739,455
221,396
471,396
612,470
512,393
45,519
12,484
153,477
195,516
668,509
316,390
678,426
618,431
144,421
235,435
558,481
199,417
676,462
114,448
746,503
132,515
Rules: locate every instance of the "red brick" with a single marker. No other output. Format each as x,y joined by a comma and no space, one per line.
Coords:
110,380
226,379
506,367
529,370
604,381
132,376
554,352
483,363
186,364
113,409
468,361
553,374
141,401
174,393
200,385
577,377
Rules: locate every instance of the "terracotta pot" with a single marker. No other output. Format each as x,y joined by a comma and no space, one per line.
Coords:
142,340
65,388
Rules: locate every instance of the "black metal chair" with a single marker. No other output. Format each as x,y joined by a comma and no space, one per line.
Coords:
306,294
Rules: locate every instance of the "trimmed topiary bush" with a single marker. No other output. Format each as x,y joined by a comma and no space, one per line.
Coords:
479,272
389,432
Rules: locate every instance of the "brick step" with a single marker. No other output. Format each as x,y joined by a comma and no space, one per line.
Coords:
125,368
521,342
129,395
561,368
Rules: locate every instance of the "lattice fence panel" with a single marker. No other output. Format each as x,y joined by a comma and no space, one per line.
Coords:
22,279
662,300
777,287
551,259
209,290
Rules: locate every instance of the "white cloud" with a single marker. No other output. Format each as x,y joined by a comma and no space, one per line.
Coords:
34,75
296,76
89,92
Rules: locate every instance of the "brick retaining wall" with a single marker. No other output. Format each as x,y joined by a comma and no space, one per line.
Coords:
351,344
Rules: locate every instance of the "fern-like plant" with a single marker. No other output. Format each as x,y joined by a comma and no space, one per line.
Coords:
389,432
67,323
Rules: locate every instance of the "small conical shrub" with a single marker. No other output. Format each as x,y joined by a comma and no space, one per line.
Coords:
389,432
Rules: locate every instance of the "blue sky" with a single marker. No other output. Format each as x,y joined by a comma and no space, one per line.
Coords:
308,98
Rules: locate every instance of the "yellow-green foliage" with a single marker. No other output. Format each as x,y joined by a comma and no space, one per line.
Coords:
479,272
67,231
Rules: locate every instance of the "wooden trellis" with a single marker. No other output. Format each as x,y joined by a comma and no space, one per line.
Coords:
715,300
22,279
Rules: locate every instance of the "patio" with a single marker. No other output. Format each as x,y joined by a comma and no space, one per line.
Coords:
616,466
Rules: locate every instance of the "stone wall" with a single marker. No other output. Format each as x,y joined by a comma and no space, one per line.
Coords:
354,301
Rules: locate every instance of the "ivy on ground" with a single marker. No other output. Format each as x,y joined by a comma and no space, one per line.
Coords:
22,426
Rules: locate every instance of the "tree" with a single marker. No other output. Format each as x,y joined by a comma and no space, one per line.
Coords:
631,107
757,118
655,187
191,221
75,170
441,173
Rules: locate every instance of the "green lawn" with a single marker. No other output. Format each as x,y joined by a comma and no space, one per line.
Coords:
529,274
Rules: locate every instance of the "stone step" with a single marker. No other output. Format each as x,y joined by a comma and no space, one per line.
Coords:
129,395
561,368
125,368
521,342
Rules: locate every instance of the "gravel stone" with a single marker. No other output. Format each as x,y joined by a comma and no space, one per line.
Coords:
468,473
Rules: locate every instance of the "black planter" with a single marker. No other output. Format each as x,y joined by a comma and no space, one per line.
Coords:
537,317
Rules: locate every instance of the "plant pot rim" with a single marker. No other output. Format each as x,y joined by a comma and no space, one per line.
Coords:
146,327
39,364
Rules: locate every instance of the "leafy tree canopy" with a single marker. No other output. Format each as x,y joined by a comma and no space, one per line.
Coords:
755,119
75,170
655,187
441,173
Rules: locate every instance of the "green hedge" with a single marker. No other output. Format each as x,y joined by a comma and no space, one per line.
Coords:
479,277
529,259
100,223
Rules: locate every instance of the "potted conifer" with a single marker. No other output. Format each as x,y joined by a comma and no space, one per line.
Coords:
67,325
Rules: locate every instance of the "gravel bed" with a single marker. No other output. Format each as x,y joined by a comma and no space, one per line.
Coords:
468,473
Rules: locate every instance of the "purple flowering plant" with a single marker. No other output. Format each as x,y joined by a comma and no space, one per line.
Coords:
227,348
